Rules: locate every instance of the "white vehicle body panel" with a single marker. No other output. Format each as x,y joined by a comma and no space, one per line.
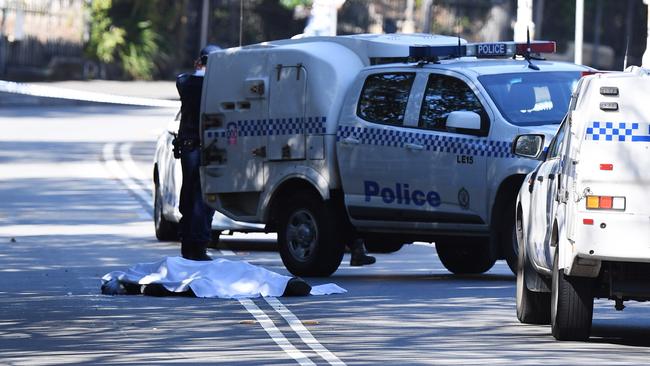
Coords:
288,109
603,153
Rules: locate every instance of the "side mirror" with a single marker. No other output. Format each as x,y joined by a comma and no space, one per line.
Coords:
464,119
528,146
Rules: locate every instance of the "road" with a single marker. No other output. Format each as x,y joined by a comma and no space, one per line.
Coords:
75,205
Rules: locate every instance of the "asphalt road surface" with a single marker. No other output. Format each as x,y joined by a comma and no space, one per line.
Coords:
75,204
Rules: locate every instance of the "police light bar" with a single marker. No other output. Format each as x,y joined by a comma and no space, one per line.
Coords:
482,50
509,49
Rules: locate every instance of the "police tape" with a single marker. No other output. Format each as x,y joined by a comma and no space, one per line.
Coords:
87,96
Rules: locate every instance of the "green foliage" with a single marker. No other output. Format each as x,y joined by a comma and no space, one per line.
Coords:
123,32
105,38
290,4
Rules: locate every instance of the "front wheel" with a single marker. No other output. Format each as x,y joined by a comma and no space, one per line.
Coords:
532,307
165,230
466,255
309,237
572,305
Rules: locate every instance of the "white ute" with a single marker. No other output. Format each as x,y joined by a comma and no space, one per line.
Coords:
583,216
393,138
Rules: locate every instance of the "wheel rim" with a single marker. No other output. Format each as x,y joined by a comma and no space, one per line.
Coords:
302,235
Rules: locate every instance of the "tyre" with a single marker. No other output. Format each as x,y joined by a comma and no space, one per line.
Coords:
165,230
309,237
466,255
508,238
532,307
572,305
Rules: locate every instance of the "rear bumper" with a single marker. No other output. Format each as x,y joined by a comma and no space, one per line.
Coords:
617,237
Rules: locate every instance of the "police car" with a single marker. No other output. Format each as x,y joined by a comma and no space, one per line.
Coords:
167,179
393,138
583,218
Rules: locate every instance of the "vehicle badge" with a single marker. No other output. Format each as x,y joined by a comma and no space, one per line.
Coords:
463,198
231,133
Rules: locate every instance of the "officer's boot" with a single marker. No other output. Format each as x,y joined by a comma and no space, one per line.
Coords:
360,256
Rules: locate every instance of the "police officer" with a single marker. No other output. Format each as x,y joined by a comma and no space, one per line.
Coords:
196,220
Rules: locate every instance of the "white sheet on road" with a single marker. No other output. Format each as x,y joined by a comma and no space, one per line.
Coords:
217,278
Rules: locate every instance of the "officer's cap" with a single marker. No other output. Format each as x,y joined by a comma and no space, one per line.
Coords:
205,51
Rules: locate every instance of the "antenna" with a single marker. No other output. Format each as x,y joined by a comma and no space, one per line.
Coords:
627,47
241,21
459,48
527,54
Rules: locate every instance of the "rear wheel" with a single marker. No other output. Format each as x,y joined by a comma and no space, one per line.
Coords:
572,305
165,230
466,255
309,237
532,307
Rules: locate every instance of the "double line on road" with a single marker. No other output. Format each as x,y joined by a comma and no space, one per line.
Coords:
126,171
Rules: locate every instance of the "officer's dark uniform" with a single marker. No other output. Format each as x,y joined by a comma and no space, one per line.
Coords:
196,220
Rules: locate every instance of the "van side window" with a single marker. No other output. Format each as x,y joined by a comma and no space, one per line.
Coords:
446,94
555,148
384,97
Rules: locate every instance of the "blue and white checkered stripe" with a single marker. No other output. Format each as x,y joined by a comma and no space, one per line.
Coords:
277,127
436,143
618,131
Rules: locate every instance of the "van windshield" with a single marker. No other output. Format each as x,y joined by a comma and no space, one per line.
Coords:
531,98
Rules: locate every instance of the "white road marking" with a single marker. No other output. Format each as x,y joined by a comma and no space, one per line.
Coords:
116,169
227,253
131,168
64,93
302,332
275,333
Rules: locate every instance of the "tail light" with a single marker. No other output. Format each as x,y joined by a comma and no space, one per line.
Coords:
605,203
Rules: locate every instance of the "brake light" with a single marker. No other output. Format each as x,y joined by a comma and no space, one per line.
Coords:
587,73
605,203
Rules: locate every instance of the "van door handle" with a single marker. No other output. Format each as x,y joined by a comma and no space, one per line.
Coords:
551,176
350,141
540,178
412,146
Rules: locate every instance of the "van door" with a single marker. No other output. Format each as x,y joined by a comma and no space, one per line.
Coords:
235,99
286,134
371,153
451,161
544,196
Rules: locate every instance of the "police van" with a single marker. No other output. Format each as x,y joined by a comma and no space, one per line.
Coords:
391,138
583,216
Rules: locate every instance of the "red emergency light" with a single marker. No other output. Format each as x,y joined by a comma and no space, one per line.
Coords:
536,47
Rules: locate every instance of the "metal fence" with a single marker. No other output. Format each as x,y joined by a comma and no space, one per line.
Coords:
41,38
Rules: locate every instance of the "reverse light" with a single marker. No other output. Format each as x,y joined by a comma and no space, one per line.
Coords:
605,203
